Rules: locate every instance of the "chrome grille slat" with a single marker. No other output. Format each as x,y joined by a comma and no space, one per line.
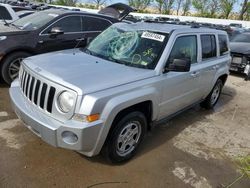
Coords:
40,93
25,81
46,98
28,88
33,91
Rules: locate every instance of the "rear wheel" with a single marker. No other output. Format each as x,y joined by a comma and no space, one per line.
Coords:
213,96
11,65
124,139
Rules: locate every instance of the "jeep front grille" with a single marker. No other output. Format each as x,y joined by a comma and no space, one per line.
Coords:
38,92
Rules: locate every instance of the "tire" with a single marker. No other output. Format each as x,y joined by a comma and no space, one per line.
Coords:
213,96
11,65
125,137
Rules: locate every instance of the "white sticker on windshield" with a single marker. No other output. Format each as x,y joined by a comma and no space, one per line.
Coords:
53,15
153,36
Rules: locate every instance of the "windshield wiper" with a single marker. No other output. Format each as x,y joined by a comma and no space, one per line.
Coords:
86,50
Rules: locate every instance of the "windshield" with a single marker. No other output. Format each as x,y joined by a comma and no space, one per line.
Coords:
34,21
241,38
133,48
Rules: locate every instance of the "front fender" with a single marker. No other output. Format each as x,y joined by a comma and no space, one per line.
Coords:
121,102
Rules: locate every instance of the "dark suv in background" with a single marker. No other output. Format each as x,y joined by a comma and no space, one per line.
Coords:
52,30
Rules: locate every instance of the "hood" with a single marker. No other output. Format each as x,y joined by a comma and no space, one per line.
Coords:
240,47
117,10
84,73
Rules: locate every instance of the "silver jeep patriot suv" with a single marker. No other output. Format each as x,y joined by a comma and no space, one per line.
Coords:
106,96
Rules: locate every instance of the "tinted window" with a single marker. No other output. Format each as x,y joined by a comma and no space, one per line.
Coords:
223,44
4,14
68,24
185,47
95,24
208,44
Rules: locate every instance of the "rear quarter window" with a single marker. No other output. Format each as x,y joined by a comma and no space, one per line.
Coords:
208,44
223,43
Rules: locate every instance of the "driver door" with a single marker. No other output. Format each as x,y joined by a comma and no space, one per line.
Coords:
181,89
73,35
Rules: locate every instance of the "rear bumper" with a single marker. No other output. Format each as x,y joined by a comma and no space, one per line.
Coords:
79,136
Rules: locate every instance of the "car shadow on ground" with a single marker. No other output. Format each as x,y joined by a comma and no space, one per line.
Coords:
166,131
237,74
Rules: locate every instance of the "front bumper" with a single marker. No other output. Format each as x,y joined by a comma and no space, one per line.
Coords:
74,135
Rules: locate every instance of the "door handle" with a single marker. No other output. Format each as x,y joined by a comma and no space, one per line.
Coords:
80,39
195,74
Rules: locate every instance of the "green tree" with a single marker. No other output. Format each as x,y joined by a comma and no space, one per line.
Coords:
159,5
227,7
201,6
244,9
66,2
168,6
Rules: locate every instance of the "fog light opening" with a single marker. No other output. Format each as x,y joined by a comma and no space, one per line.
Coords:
69,137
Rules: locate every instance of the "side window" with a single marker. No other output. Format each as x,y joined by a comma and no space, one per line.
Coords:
68,24
4,14
223,44
185,47
208,44
94,24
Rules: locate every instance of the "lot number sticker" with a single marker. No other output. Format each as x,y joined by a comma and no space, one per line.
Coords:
153,36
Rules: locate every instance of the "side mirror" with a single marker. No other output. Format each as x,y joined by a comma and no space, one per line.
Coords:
55,31
179,65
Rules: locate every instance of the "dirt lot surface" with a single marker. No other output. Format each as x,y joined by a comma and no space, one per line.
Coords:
195,149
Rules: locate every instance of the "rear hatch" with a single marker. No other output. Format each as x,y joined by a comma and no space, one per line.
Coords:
117,10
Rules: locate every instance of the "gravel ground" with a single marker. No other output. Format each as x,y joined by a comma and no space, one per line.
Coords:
195,149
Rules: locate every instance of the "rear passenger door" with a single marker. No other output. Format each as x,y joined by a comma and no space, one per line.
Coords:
209,61
93,26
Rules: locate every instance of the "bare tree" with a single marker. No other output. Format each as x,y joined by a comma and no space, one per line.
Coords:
227,7
139,4
178,6
244,7
168,6
214,6
98,3
186,7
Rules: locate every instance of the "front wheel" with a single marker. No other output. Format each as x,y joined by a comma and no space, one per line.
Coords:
213,96
11,65
125,137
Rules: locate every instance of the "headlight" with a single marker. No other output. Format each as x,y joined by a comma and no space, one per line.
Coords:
66,101
3,38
